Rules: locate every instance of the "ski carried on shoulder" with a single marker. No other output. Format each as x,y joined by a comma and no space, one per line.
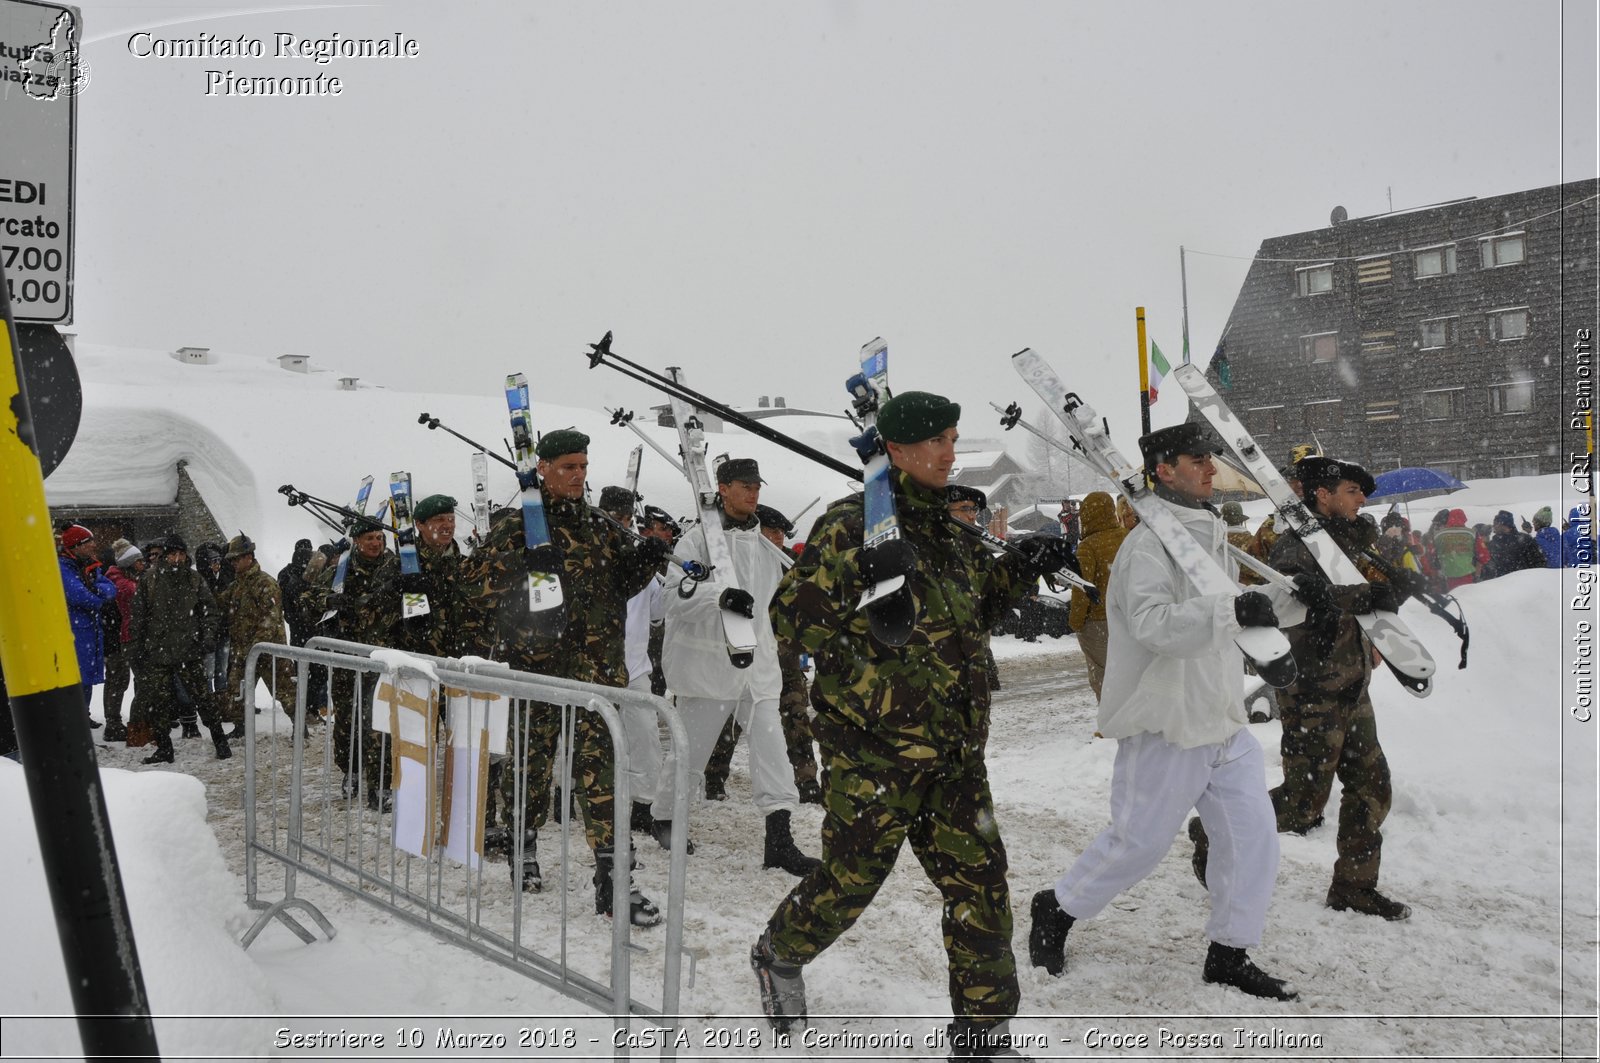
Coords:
1402,651
1266,647
739,630
547,612
891,612
480,498
342,569
412,604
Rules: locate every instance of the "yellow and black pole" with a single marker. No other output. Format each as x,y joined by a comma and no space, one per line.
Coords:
1144,375
40,665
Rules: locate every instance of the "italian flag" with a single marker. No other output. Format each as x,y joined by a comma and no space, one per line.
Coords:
1158,369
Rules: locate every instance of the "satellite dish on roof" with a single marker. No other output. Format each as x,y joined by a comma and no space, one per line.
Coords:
1339,216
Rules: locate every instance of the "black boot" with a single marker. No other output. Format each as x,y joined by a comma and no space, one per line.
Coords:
526,875
163,753
1202,848
191,726
380,801
1368,901
783,990
641,911
968,1040
716,789
220,741
661,830
639,820
1047,939
116,731
781,852
1230,966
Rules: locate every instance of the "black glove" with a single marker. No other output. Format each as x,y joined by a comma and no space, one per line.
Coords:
413,583
1254,609
1314,591
736,600
887,560
653,551
1384,597
1044,554
1408,584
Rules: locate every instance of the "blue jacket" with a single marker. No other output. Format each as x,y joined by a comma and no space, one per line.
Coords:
1549,541
1577,544
84,606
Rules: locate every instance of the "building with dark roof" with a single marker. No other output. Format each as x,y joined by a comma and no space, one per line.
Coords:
1438,336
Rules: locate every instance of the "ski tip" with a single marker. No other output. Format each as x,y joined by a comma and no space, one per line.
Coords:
1279,672
741,658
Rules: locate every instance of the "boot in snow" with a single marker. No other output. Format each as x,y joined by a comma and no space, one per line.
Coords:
191,726
781,852
639,820
783,990
641,910
220,742
661,829
526,875
1230,966
1047,939
163,753
1368,901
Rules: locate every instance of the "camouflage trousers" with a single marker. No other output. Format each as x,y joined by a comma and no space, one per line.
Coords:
1324,738
352,727
277,672
534,735
871,811
161,696
794,714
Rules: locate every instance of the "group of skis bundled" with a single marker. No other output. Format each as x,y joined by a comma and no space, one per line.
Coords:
887,559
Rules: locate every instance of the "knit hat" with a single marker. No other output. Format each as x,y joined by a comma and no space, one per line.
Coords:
432,506
174,542
772,518
1505,517
744,470
130,556
912,416
1232,514
1543,518
75,535
562,441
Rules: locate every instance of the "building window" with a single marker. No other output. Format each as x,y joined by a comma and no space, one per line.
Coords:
1513,397
1380,462
1439,332
1442,405
1314,280
1436,261
1321,347
1507,250
1267,419
1378,270
1387,410
1520,465
1380,341
1450,467
1509,324
1328,413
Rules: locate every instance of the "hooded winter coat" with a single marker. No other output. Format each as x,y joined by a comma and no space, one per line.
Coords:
1102,537
175,618
87,596
1172,667
1456,548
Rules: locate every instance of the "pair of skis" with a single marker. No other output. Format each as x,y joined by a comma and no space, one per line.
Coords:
342,569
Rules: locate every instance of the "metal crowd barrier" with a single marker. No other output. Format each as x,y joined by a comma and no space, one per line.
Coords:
298,815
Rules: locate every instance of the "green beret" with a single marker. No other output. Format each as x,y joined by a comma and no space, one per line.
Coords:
912,416
562,441
432,506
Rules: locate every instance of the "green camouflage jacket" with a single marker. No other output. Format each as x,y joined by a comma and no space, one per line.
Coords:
924,705
252,609
372,587
436,631
601,569
1329,647
174,617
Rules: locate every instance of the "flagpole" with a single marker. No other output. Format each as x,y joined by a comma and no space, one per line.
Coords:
1183,274
1144,374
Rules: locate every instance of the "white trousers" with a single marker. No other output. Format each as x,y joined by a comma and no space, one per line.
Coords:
1154,784
644,746
771,776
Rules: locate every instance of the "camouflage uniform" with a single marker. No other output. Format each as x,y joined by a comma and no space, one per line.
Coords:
601,570
252,612
371,615
173,627
902,731
436,631
1328,724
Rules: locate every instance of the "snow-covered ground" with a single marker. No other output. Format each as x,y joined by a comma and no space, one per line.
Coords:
1492,839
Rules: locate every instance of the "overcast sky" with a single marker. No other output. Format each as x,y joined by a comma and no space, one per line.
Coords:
753,190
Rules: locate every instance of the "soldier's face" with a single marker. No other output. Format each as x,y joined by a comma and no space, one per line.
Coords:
773,535
438,530
370,544
1188,475
1344,501
656,530
564,476
241,563
929,462
739,498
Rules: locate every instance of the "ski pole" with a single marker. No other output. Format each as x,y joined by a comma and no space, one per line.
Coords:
322,507
434,422
1011,417
1066,574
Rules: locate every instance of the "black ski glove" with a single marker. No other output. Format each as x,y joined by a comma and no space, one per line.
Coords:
1045,554
1384,597
886,561
738,600
1313,590
1254,609
653,551
413,583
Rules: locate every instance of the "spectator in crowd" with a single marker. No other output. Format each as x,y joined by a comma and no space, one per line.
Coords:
1548,538
88,593
1509,549
291,587
124,575
1455,549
